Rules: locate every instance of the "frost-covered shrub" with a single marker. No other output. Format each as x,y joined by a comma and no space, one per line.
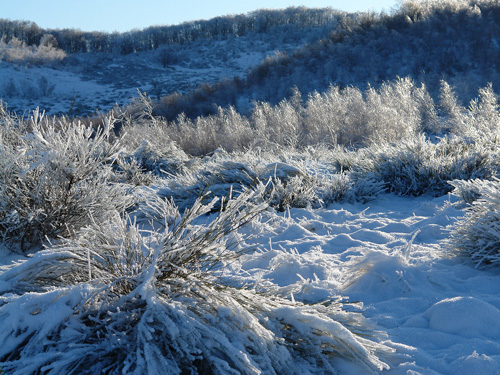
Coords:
468,190
296,192
366,188
129,170
280,125
226,129
121,299
452,114
317,189
395,111
209,178
292,179
482,118
18,51
55,178
419,166
148,145
477,235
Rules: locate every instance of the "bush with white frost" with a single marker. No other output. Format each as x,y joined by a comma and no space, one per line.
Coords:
290,179
121,298
419,166
477,235
148,146
468,190
55,177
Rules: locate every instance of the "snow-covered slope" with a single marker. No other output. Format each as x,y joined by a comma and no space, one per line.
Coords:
87,83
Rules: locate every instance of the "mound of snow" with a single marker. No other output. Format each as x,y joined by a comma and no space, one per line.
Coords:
280,171
475,364
464,316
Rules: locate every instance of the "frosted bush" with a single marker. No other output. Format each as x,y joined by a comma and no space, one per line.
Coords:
295,192
468,190
482,119
477,235
55,179
120,298
292,179
452,114
366,188
18,51
227,129
129,170
419,166
321,116
148,145
212,178
280,125
395,111
318,189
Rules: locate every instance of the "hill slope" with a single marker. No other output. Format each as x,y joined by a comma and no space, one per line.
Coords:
428,41
110,68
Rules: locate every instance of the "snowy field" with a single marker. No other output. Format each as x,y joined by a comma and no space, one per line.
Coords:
349,231
388,257
388,260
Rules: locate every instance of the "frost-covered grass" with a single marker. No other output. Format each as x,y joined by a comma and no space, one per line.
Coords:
121,298
143,268
477,235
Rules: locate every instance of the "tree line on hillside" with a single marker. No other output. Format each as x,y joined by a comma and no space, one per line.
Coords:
429,41
260,21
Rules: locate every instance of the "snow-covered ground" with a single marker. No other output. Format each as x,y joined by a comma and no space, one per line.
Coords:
389,257
388,260
98,84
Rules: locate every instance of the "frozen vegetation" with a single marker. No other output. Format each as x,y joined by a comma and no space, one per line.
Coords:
350,229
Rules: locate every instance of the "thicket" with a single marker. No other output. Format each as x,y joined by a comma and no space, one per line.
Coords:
350,117
17,51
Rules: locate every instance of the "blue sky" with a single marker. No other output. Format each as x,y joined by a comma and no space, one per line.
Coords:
125,15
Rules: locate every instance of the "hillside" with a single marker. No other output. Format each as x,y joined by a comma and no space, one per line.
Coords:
236,60
108,69
426,41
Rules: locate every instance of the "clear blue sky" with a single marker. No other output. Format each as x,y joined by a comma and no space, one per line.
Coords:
125,15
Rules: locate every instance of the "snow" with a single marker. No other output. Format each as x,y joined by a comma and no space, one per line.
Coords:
68,88
386,259
388,256
471,317
85,84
